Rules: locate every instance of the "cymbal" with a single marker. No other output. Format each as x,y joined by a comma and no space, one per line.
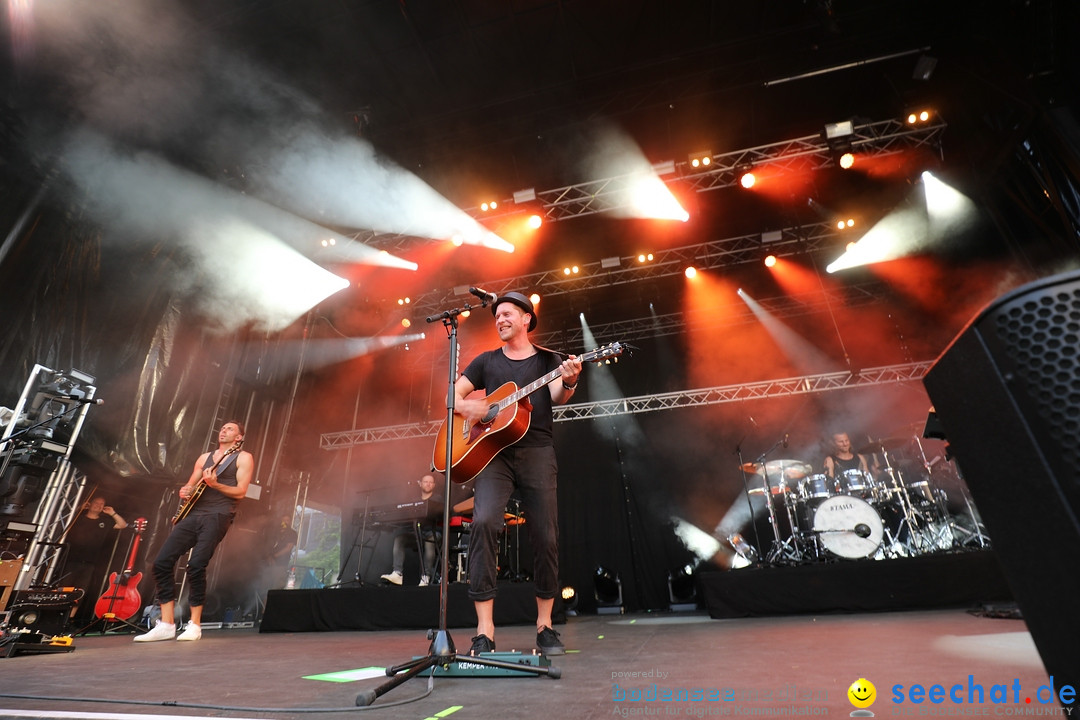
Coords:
790,469
776,490
889,443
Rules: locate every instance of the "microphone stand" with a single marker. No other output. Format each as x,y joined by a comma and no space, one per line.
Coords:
441,651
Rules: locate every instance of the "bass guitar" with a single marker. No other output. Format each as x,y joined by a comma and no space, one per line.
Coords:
200,487
122,599
474,444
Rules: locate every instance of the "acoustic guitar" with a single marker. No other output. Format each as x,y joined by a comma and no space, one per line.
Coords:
122,599
200,487
474,444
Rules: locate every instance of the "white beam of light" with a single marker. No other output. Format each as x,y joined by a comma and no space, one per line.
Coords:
243,271
323,352
948,209
278,284
347,250
943,214
614,154
802,354
697,541
343,180
899,233
650,198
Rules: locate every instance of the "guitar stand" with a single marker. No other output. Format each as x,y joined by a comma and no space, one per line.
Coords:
106,621
441,651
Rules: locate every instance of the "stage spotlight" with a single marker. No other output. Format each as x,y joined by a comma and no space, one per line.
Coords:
691,272
406,323
571,270
607,589
682,589
702,159
845,224
748,180
847,160
570,600
745,554
404,301
458,240
770,260
918,117
524,196
535,221
645,257
489,205
329,242
534,299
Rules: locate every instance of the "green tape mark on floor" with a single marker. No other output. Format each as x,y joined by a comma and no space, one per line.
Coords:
342,676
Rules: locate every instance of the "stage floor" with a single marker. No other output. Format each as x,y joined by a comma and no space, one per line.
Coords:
803,663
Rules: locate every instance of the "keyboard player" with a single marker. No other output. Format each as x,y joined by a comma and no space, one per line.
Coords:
420,531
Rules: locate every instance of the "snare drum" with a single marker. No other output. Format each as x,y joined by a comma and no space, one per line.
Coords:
856,483
816,486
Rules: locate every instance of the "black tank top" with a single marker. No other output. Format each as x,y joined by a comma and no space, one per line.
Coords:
213,502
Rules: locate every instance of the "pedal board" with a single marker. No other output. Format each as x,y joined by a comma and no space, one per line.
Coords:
462,667
20,642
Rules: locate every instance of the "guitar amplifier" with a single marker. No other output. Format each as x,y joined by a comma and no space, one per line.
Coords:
44,611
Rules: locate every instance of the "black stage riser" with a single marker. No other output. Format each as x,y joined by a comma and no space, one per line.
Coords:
1007,392
392,608
967,579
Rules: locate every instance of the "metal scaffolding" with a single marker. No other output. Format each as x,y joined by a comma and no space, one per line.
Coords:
810,152
665,263
801,385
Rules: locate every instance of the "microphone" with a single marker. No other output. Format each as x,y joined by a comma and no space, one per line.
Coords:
483,294
862,530
786,436
84,401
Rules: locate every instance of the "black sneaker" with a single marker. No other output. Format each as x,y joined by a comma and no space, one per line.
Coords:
548,642
482,644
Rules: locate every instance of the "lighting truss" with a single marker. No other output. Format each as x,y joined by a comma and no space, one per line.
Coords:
666,263
654,326
801,385
877,139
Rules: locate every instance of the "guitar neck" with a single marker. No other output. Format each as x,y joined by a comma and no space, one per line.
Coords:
541,382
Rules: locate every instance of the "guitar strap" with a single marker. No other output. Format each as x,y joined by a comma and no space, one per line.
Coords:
556,353
223,464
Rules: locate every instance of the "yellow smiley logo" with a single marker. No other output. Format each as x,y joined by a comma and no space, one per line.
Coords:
862,693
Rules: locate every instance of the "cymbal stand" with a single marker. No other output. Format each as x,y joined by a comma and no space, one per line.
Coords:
441,651
749,503
782,551
900,490
939,501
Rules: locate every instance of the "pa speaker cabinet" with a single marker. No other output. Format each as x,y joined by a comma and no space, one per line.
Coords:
1007,392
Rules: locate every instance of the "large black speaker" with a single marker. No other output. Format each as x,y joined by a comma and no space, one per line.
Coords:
1007,392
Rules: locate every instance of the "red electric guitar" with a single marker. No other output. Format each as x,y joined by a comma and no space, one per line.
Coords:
122,599
507,421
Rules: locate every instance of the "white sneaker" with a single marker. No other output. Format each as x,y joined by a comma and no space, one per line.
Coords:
393,577
424,581
191,632
161,631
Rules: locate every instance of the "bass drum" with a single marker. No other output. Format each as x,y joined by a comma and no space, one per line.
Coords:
848,527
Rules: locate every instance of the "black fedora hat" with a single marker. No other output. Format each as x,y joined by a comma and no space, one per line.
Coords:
521,301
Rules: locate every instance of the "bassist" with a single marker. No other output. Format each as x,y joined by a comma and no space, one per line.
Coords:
223,477
527,465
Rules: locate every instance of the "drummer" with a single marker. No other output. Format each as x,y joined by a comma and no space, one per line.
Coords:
842,458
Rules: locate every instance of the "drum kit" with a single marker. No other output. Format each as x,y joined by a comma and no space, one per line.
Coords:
897,512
